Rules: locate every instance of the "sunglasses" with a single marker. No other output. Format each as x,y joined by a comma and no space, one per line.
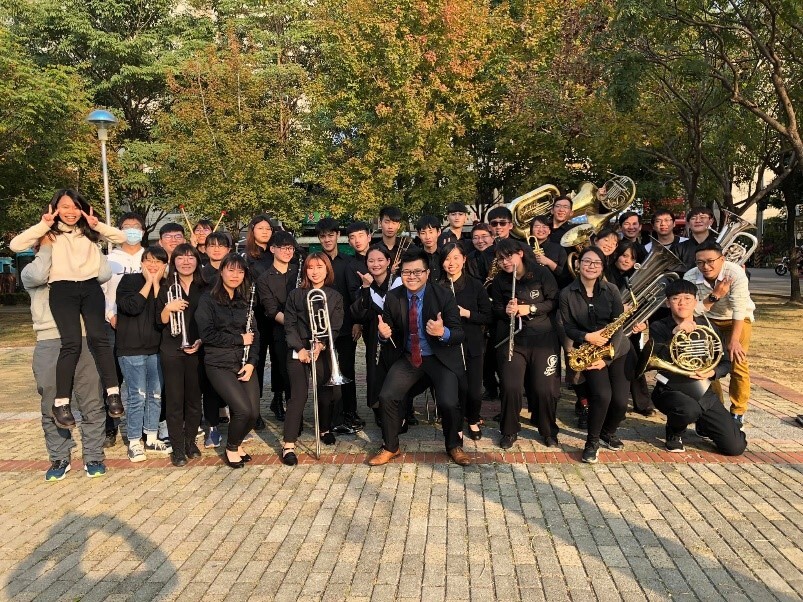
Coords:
499,222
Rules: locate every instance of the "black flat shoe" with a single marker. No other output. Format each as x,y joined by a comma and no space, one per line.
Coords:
62,416
114,405
246,458
259,425
474,435
508,441
289,456
237,464
178,459
192,451
328,439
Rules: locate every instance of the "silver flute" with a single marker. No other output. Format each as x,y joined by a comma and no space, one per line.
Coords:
248,326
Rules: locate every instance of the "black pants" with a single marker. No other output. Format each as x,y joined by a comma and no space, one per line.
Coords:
299,389
279,380
346,349
69,302
639,391
242,399
182,384
538,368
401,378
709,414
489,366
607,400
212,402
471,389
266,337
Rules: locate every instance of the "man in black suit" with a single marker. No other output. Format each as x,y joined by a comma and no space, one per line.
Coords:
421,326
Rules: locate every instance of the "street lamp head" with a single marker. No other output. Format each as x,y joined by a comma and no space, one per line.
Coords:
103,120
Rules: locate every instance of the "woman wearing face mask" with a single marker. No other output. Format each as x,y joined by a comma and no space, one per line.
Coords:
476,312
365,310
180,365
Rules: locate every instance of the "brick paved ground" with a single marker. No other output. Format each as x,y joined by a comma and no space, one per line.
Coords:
530,525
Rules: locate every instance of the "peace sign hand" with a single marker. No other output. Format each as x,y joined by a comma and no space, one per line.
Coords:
90,219
49,217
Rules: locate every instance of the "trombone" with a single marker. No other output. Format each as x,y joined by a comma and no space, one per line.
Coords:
178,324
320,327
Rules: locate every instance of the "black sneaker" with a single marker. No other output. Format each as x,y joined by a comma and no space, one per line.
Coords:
612,442
110,440
328,439
591,453
354,420
259,425
191,450
114,405
178,459
507,441
62,416
343,429
674,444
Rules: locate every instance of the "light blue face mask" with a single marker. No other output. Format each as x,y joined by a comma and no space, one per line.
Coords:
133,235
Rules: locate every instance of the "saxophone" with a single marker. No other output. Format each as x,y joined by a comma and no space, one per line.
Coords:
586,354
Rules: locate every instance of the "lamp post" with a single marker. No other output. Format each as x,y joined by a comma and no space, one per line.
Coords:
103,120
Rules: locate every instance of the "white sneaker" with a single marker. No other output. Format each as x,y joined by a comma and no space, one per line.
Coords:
136,453
159,446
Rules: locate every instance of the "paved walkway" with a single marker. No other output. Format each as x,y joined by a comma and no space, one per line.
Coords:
527,525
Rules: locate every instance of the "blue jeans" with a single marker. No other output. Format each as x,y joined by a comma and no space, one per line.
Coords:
142,380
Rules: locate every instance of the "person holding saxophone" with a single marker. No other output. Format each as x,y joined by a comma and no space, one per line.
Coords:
310,325
231,344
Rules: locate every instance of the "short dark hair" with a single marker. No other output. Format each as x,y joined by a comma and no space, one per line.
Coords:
204,222
390,212
456,208
627,215
481,226
680,287
171,227
541,219
607,231
156,252
380,248
427,221
183,249
659,212
358,227
506,247
281,238
415,254
699,211
131,215
446,249
221,238
563,197
500,212
327,224
709,245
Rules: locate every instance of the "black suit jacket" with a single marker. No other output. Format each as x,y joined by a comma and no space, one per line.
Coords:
436,299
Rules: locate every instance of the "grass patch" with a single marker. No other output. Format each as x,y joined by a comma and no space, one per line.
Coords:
776,346
16,329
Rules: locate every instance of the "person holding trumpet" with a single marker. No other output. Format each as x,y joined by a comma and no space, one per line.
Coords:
309,329
176,305
231,350
552,255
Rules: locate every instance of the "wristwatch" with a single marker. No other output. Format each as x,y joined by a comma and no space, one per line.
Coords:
713,298
533,309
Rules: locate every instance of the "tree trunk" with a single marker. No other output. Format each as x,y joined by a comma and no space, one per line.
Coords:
792,189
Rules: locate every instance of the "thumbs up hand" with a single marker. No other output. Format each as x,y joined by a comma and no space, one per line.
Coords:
435,327
384,330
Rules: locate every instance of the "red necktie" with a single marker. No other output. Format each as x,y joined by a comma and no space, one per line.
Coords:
415,345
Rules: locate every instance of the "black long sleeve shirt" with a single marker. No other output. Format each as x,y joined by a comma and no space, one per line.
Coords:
221,327
296,317
582,315
138,332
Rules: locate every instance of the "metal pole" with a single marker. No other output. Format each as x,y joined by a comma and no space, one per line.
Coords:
106,182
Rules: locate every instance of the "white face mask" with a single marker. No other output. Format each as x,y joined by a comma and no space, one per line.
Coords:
133,235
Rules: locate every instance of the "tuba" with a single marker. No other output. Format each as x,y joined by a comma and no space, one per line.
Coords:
737,244
579,237
525,207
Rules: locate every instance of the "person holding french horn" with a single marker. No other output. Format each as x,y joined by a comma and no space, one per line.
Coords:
688,354
313,316
231,350
176,305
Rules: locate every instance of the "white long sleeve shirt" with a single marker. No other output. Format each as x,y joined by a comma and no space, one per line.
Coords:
121,263
736,305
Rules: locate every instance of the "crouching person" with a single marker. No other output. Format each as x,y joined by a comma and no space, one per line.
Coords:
689,399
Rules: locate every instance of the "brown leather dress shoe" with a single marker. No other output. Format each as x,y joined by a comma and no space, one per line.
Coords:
383,457
459,456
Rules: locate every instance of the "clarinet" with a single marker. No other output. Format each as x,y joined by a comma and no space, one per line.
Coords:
247,348
462,351
300,264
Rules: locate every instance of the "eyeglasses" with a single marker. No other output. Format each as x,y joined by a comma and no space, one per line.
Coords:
177,236
499,222
286,248
414,273
591,264
707,262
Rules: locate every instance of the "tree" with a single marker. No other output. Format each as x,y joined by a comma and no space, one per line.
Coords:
44,142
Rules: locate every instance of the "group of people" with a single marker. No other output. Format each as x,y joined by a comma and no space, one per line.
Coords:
189,328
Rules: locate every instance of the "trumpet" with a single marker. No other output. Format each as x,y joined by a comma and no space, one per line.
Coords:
248,324
533,242
320,327
178,325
